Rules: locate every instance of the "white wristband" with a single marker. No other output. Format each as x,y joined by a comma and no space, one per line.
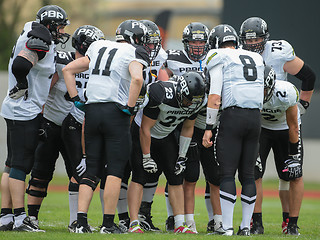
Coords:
212,114
184,143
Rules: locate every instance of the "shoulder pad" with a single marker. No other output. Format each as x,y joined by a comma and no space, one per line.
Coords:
36,44
141,53
156,94
41,32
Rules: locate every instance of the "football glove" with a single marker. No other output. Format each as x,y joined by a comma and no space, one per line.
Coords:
259,164
126,109
149,165
18,91
180,165
81,168
303,106
293,168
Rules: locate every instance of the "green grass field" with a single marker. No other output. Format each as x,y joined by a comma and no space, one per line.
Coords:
54,218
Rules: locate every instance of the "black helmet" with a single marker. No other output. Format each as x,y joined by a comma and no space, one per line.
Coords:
84,36
269,82
132,31
195,31
54,16
190,90
254,27
154,37
221,34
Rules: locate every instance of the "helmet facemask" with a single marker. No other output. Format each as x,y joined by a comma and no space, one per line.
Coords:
196,52
58,37
255,47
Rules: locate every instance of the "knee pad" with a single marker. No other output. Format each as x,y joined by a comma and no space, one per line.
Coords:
284,185
91,181
39,183
17,174
73,187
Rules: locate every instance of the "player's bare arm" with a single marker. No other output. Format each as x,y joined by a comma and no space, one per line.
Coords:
145,135
135,69
31,56
292,121
77,66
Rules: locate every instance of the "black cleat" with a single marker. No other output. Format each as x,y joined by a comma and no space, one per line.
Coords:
83,229
243,232
170,224
28,225
124,224
210,226
147,224
6,227
110,230
292,229
257,228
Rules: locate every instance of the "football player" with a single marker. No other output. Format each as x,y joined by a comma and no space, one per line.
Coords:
236,80
279,54
58,134
150,75
31,67
170,103
107,140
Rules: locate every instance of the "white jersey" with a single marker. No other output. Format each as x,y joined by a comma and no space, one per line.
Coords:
179,63
243,77
109,79
39,80
273,114
57,107
276,54
150,75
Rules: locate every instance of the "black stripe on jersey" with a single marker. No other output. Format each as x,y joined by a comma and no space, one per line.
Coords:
178,55
64,57
141,53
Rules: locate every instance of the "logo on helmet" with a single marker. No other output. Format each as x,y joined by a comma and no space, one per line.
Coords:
184,86
52,14
89,33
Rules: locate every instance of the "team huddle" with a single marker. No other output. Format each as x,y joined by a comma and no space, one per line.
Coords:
128,109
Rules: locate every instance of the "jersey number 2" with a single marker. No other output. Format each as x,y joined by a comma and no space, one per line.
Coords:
106,71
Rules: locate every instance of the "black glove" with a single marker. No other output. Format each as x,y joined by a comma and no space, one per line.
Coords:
18,91
126,109
180,165
293,168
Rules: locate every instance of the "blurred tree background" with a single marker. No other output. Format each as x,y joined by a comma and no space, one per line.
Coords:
14,14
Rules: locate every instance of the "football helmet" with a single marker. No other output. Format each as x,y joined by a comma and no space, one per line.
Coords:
221,34
190,90
195,32
254,27
53,17
132,31
84,36
269,82
154,38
